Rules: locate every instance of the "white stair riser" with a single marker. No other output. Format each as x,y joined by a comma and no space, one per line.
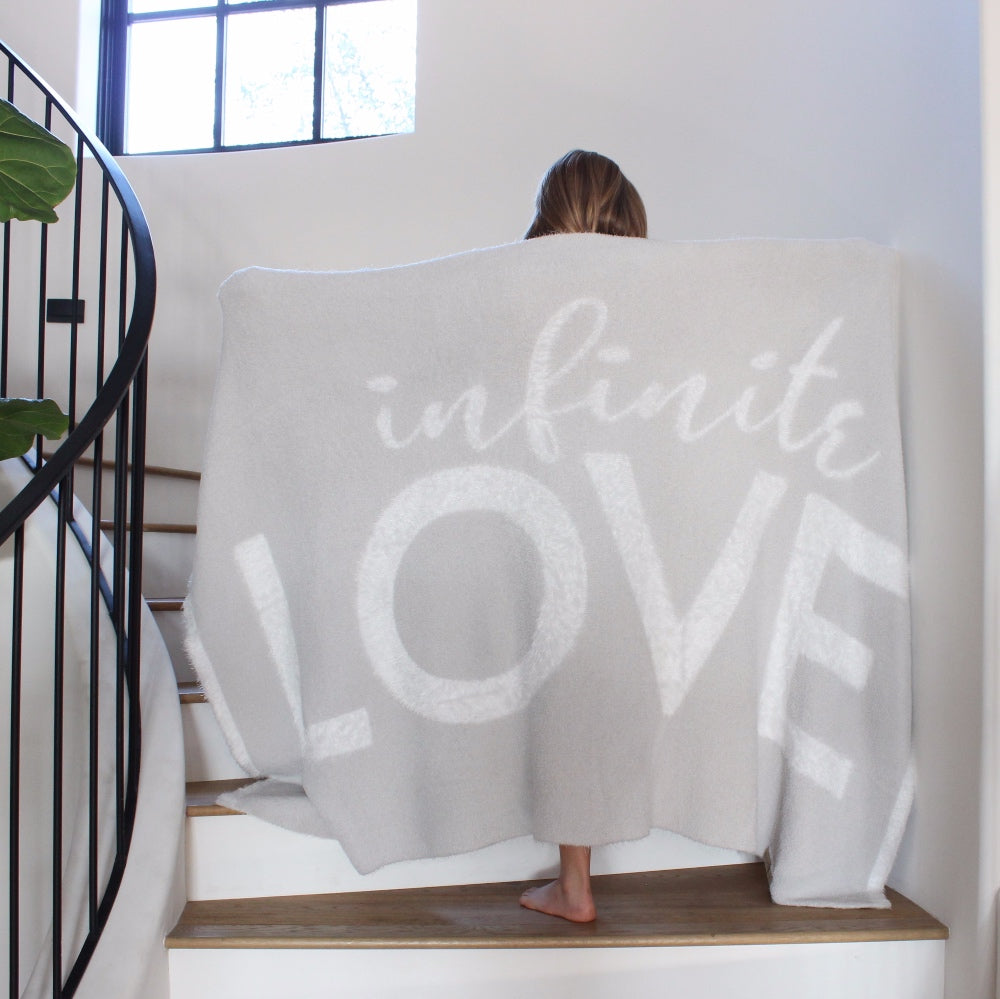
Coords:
892,970
165,499
207,756
167,560
171,625
236,856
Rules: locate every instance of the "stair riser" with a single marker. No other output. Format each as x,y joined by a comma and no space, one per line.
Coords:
171,625
892,970
207,756
167,560
236,856
165,499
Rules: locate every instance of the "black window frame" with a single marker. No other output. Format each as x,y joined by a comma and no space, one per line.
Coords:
113,67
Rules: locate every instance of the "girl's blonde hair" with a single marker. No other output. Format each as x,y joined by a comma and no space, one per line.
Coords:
587,192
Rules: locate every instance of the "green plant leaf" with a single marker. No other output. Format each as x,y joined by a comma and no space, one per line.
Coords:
21,420
37,170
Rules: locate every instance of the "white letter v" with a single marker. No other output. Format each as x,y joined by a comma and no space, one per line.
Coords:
679,647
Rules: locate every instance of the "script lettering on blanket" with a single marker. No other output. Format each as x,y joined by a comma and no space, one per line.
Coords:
567,378
554,390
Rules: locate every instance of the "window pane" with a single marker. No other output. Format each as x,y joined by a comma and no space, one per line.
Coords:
171,80
269,77
370,73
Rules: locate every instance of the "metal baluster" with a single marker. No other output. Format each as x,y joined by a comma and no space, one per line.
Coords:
119,613
97,504
17,606
65,500
5,291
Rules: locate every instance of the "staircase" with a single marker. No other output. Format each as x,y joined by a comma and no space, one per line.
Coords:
92,741
273,913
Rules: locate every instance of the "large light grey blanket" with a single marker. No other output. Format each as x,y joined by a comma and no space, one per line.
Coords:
575,537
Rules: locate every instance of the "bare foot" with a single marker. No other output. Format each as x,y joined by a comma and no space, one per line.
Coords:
555,900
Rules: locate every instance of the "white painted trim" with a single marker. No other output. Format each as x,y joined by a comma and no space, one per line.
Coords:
237,856
206,752
893,970
990,777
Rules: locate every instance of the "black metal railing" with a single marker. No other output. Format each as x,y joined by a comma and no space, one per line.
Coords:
76,306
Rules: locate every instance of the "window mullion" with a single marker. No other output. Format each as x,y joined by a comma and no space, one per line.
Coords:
220,72
319,61
112,69
228,7
181,13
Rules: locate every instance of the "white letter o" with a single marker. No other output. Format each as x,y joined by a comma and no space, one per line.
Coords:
544,519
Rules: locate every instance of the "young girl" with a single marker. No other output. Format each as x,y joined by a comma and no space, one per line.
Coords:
582,192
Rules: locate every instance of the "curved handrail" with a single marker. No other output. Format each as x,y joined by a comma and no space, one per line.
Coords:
134,345
118,402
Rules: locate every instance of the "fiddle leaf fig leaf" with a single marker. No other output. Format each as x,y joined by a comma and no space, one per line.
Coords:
22,420
37,170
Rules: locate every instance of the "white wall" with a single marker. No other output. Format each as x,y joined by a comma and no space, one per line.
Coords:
831,118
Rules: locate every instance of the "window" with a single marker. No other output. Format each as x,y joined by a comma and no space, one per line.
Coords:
227,74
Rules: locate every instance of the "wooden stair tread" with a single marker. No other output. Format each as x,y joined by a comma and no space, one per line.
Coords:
156,604
154,528
191,692
163,471
688,907
201,795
